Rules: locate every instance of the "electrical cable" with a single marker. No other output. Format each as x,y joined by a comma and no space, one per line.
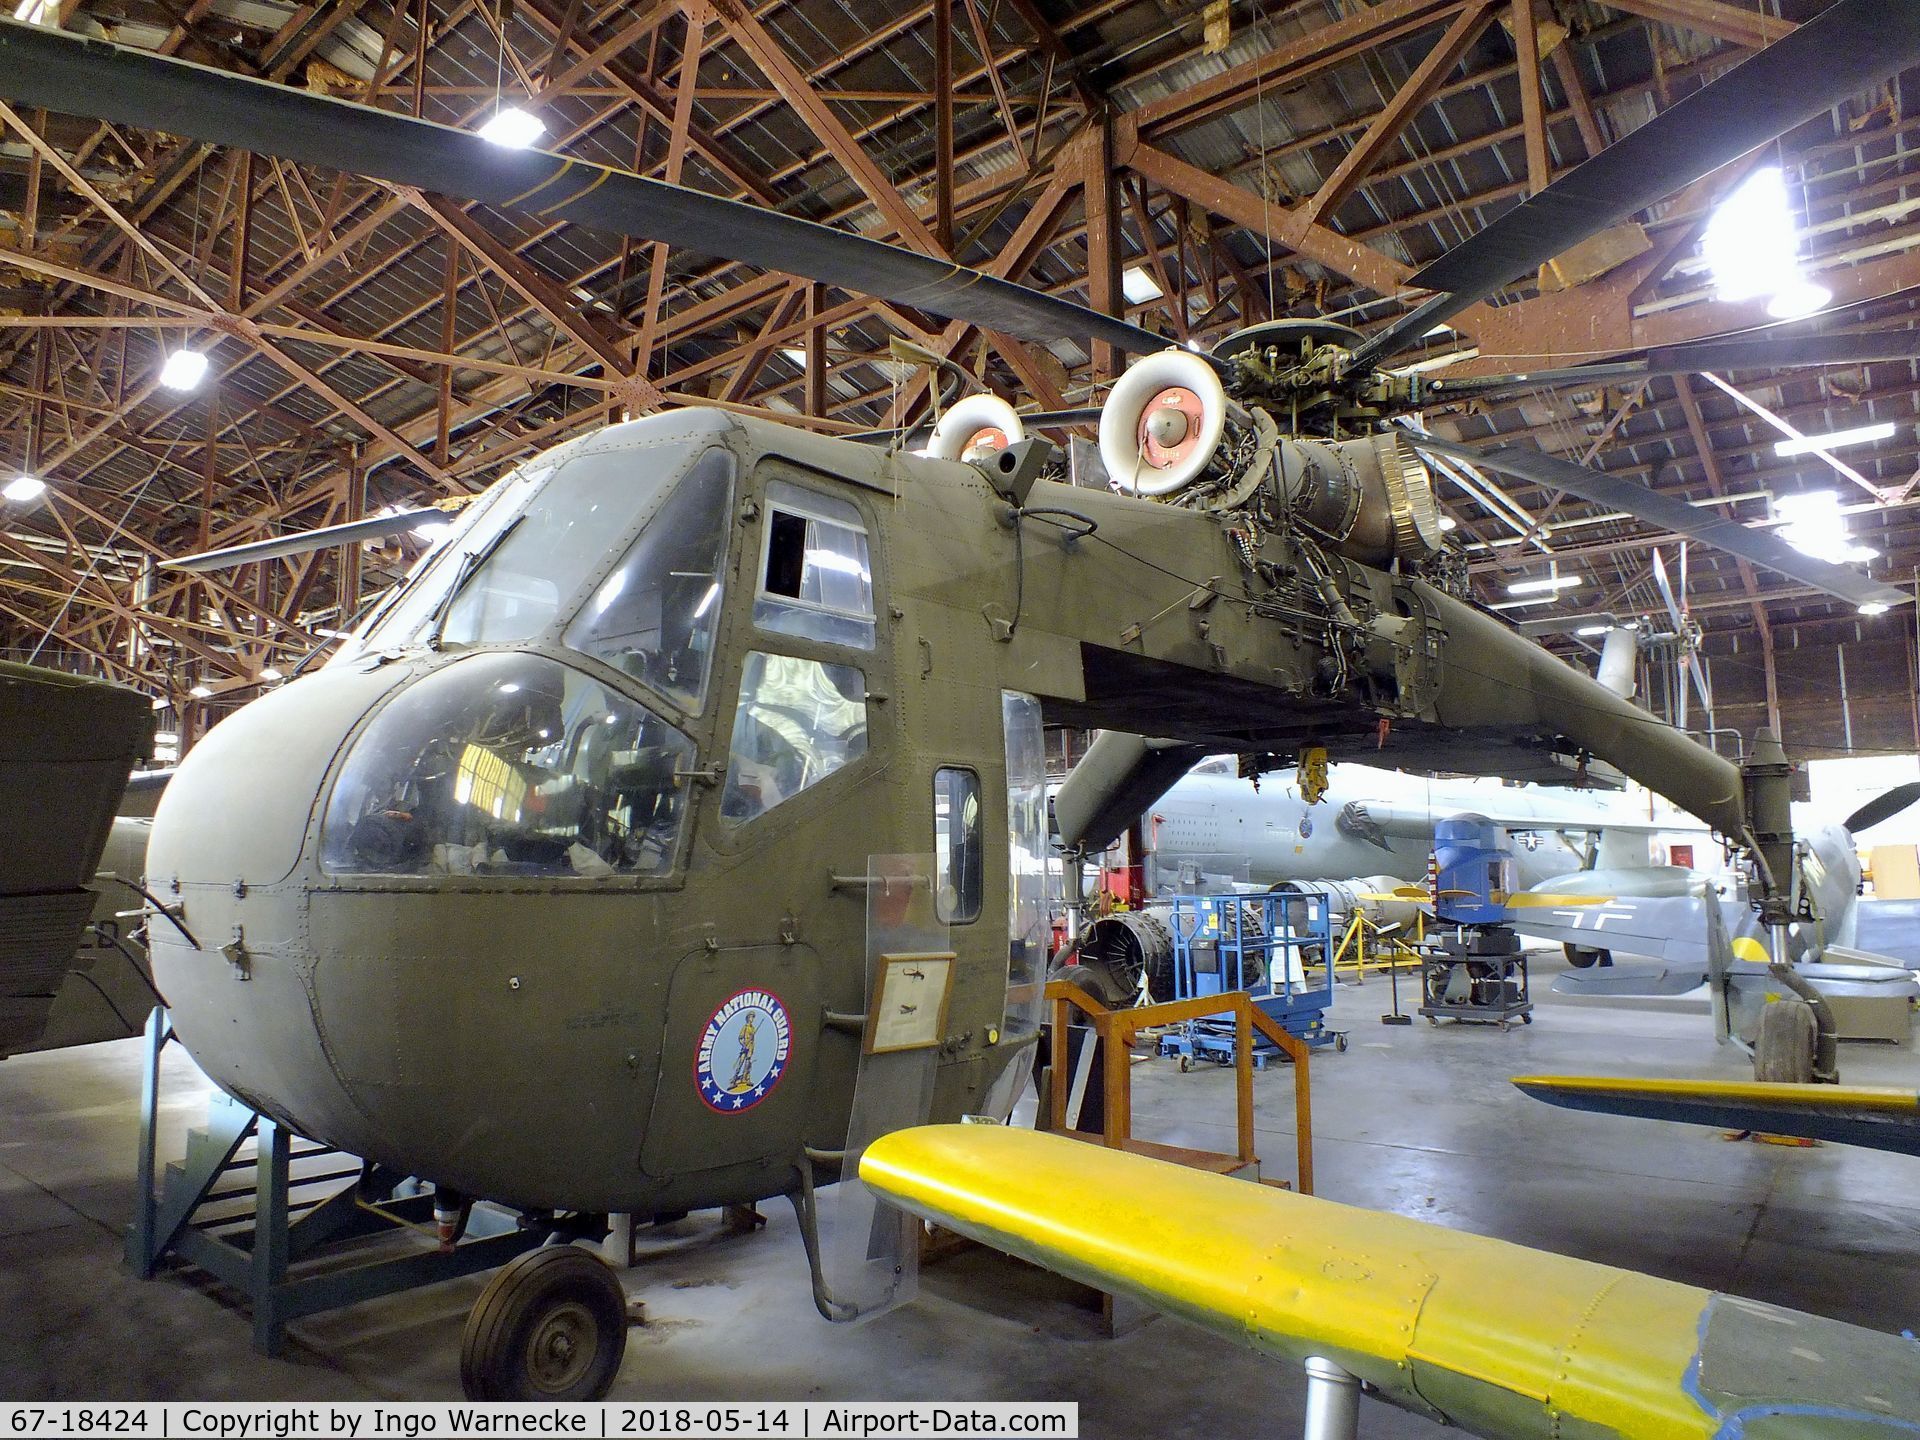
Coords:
118,1013
154,901
133,961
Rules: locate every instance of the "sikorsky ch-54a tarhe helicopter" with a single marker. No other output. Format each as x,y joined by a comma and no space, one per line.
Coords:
566,883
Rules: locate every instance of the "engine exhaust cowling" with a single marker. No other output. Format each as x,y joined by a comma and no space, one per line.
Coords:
1371,496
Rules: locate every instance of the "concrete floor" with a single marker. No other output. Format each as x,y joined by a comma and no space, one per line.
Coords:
1420,1121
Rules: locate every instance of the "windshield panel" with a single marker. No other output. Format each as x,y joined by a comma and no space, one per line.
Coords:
509,764
417,597
653,617
591,500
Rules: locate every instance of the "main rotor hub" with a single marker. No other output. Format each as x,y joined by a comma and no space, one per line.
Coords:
1287,337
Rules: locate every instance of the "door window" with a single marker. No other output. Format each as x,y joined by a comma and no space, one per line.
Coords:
797,722
816,580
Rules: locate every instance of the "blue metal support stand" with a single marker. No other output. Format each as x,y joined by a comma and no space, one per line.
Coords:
300,1213
1261,944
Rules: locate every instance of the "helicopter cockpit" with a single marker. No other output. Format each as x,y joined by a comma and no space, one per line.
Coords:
511,763
508,764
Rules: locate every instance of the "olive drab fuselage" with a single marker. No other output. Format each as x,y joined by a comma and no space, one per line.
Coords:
494,896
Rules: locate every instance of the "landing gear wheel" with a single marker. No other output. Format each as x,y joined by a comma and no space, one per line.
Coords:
1783,1049
552,1325
1583,957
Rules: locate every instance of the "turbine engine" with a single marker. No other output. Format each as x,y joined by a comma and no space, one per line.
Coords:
1169,431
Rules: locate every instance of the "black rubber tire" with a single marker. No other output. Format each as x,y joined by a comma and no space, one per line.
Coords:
1583,957
1783,1048
551,1325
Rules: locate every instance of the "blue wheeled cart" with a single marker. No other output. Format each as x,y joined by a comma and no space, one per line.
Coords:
1267,945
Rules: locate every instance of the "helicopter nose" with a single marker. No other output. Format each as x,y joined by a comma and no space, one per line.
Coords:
226,858
238,807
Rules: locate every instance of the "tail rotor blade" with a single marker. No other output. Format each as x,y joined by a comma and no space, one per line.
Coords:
1672,602
1699,673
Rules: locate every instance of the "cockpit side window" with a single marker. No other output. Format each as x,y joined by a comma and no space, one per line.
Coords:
816,579
797,722
653,617
509,764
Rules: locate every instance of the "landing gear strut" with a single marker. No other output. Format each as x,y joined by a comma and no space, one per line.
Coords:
552,1325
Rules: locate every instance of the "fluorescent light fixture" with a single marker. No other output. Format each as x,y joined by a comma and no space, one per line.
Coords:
512,128
1874,607
184,370
1752,248
1447,522
1594,630
23,488
201,692
1437,330
795,354
433,529
1799,298
165,737
1859,435
1550,584
1814,524
1138,286
272,672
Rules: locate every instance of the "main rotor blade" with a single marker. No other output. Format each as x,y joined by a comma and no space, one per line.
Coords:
1755,352
1667,513
1847,48
374,527
1883,806
100,81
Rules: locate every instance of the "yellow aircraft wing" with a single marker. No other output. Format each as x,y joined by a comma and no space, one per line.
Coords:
1873,1116
1496,1338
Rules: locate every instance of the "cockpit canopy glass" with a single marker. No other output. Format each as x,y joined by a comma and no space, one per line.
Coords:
517,586
512,765
653,617
515,562
405,610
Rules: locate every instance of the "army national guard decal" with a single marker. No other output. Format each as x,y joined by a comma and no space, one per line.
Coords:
743,1052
